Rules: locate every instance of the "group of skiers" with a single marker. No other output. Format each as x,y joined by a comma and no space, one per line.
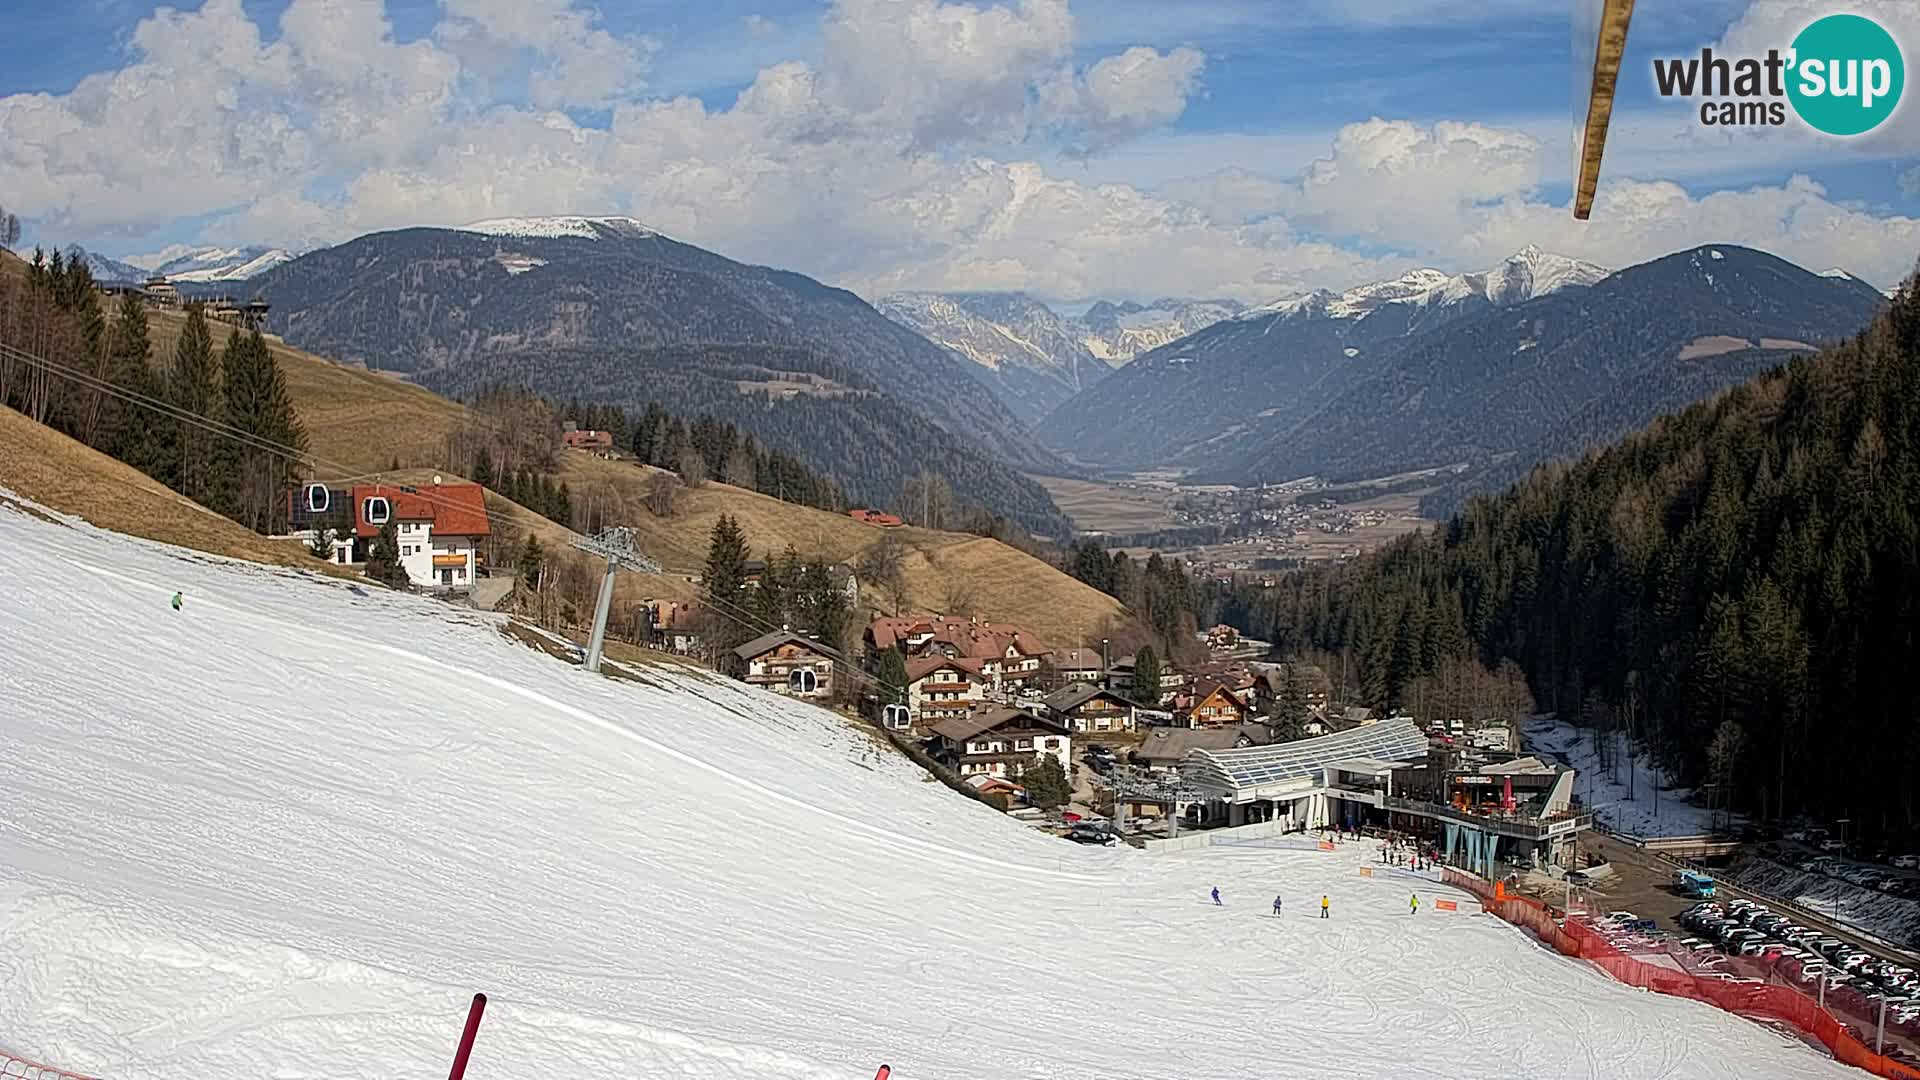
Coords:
1326,903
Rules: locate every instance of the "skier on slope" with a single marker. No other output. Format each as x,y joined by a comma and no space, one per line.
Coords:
1323,907
1276,905
1414,899
1216,896
176,601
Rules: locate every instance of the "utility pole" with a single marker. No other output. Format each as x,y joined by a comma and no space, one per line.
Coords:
618,547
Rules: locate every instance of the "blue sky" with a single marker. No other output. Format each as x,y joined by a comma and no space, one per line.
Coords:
1206,151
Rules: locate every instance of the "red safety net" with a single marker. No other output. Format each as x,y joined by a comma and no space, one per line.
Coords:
1757,987
11,1066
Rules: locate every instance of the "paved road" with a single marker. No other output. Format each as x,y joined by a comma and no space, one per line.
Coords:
1643,887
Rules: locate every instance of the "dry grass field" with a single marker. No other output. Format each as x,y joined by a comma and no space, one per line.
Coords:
55,471
1101,507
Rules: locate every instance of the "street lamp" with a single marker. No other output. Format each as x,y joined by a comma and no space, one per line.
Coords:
1106,666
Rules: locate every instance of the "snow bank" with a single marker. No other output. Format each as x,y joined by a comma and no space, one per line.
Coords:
288,830
1607,795
1892,919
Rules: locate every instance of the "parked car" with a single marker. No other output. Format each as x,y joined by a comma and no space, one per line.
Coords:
1906,862
1832,845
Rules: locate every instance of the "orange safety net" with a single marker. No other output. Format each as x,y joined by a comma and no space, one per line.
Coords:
1757,996
12,1067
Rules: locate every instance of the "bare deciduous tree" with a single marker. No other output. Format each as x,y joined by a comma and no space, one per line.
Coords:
692,467
884,566
660,494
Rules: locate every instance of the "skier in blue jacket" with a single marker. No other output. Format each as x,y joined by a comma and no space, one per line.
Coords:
1216,895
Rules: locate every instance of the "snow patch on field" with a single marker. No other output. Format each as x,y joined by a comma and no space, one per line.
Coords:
289,829
1607,795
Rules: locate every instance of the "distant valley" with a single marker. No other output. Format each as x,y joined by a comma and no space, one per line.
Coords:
1035,358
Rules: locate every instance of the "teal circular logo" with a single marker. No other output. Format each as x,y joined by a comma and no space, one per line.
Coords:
1847,74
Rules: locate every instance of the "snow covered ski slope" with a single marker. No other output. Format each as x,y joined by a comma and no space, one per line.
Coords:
289,829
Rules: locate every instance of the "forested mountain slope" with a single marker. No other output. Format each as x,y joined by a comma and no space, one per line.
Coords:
1739,583
539,302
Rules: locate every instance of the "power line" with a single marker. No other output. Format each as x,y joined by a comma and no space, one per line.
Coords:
251,440
224,430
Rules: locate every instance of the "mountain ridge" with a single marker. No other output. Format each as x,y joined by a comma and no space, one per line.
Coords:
458,308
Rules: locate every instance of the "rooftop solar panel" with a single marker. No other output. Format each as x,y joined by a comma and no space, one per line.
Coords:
1232,770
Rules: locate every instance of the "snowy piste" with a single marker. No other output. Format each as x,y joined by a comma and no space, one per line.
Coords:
288,830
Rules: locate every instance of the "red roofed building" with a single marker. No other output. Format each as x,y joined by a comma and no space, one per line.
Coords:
594,442
1009,655
875,517
438,527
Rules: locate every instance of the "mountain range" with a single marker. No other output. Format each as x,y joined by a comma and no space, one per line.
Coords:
607,309
1483,373
191,265
1197,402
1036,358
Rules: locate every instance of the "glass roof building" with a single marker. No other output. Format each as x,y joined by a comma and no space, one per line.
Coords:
1260,772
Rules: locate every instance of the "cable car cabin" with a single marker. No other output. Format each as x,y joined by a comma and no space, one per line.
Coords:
896,718
1692,884
788,663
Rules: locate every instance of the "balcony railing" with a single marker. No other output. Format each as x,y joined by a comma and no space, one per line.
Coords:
1528,827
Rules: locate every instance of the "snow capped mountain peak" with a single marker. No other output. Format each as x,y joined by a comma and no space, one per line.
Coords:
1835,272
1525,274
188,263
547,228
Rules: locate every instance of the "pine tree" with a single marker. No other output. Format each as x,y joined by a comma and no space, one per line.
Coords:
532,558
723,580
383,558
320,544
255,399
191,388
1291,716
1046,782
892,676
1146,677
141,437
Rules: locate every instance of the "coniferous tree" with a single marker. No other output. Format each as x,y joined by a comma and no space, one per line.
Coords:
320,544
892,677
1146,677
192,388
141,437
255,400
1046,782
383,558
725,577
533,558
1290,716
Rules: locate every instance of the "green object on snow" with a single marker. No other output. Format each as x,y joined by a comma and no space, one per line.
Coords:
176,601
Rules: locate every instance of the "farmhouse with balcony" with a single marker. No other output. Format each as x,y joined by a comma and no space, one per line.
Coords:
787,663
1086,707
941,689
999,742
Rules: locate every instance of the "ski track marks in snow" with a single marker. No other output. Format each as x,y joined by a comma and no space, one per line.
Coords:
439,669
287,831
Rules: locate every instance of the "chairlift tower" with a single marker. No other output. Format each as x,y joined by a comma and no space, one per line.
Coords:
1174,790
618,546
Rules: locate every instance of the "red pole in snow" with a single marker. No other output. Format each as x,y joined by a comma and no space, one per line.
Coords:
466,1037
885,1071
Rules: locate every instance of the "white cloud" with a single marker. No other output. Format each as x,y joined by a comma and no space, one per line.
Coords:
926,145
577,63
